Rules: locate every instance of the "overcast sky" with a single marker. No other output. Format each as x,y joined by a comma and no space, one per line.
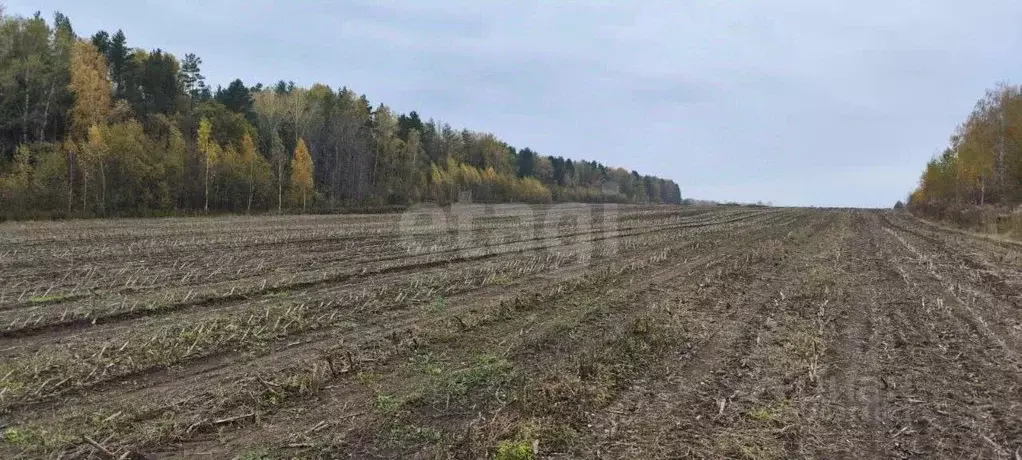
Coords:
793,102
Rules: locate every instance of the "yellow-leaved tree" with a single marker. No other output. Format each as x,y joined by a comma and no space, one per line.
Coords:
94,155
71,148
977,159
208,147
301,173
248,156
91,89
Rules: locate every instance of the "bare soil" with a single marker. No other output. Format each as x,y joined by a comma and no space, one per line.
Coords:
649,332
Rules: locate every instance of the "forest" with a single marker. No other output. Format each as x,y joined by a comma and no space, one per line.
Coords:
982,165
90,126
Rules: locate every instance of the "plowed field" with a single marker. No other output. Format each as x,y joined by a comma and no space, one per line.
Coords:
629,332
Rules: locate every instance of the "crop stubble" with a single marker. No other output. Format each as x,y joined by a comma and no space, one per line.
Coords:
674,332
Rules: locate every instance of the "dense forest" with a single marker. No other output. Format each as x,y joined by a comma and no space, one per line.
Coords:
982,165
94,127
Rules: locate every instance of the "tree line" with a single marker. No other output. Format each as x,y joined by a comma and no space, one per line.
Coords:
93,127
982,165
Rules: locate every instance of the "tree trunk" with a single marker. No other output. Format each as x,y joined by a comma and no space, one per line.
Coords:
1004,156
70,180
335,179
102,188
205,206
280,187
24,119
85,192
251,184
218,199
372,180
1000,155
958,186
46,113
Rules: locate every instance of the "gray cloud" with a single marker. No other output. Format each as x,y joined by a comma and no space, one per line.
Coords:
795,102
